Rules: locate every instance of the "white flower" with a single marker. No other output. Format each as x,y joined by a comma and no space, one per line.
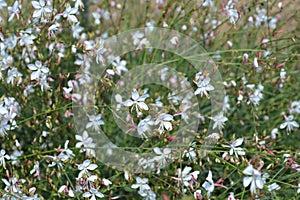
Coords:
219,120
203,84
144,126
66,153
78,4
70,13
85,167
92,194
142,184
164,121
298,190
95,122
162,156
38,70
254,179
231,196
3,156
14,10
86,142
14,75
290,124
238,151
137,101
52,29
76,30
233,15
41,8
188,178
209,185
120,65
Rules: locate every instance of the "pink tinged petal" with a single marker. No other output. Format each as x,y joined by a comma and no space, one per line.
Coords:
247,181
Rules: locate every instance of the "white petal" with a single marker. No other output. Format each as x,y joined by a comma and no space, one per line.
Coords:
128,102
143,106
248,170
135,95
92,166
246,181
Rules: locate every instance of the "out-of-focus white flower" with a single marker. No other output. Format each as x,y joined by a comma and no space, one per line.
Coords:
273,187
203,84
209,185
2,4
274,132
219,121
76,30
70,13
14,10
164,121
197,194
253,178
41,8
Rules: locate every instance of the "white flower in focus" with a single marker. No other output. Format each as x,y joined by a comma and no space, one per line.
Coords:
209,185
219,121
253,178
92,194
95,122
85,167
137,101
164,121
290,124
238,151
38,70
